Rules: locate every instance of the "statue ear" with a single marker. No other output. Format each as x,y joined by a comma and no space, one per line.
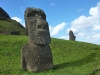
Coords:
25,18
26,29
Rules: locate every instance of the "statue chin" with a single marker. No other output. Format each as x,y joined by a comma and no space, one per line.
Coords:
42,36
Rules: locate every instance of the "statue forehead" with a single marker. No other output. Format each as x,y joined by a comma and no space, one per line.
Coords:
30,10
70,31
33,16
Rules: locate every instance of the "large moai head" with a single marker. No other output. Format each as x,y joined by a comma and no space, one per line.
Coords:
36,26
71,35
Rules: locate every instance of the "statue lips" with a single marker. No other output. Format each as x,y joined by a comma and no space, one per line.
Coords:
41,31
43,36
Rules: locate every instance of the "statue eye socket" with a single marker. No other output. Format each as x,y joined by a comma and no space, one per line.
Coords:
39,26
31,14
43,16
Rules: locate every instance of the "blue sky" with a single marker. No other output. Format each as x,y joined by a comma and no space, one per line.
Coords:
81,16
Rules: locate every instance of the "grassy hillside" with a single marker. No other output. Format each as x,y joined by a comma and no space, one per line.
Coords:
11,25
69,57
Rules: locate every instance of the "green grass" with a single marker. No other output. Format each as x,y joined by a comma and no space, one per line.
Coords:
69,57
11,25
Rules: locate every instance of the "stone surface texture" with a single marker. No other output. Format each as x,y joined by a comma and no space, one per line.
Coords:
71,35
3,14
36,54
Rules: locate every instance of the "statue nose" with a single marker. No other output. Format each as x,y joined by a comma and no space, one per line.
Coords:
43,25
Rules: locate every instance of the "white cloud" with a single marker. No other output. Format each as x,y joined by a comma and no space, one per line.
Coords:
84,22
55,30
53,4
87,28
64,37
81,34
93,37
18,20
96,27
23,23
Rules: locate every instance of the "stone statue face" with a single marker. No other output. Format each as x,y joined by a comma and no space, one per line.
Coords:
71,34
37,26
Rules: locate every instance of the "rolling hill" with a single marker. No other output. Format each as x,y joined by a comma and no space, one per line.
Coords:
69,57
9,26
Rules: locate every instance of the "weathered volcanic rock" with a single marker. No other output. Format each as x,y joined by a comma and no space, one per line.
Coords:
36,54
71,35
4,15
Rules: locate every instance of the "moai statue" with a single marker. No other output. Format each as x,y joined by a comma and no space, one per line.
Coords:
36,54
71,35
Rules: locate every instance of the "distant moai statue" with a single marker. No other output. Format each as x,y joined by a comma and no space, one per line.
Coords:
71,35
36,54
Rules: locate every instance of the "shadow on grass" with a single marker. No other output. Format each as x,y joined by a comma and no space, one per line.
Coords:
85,60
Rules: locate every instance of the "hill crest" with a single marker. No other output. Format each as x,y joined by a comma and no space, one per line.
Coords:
9,26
